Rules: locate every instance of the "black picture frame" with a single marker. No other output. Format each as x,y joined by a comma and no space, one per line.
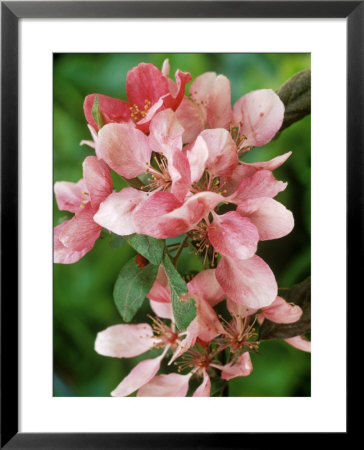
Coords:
11,12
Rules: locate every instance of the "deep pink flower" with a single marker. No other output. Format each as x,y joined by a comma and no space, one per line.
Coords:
75,237
148,92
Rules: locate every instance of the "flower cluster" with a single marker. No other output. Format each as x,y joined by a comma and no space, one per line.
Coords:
183,158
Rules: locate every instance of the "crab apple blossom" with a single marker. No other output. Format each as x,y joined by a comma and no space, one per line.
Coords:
75,237
254,119
189,189
125,341
148,92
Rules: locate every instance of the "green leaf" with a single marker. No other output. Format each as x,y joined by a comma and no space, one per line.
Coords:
300,294
96,114
184,311
296,96
151,248
218,387
131,287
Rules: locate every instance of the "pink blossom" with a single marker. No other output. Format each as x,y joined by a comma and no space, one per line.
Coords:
246,170
254,120
248,282
125,341
148,92
128,151
75,237
240,367
299,342
280,312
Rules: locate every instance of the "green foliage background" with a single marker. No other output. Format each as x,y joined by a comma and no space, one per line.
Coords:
83,302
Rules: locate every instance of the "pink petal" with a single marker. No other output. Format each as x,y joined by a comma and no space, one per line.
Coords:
149,218
299,342
245,170
92,143
249,282
112,110
282,312
171,385
261,184
235,309
180,173
233,235
116,213
241,368
208,324
162,310
145,82
190,117
271,164
170,100
62,254
259,115
162,215
139,376
143,124
205,387
219,114
166,67
206,286
197,157
98,180
200,91
125,341
222,152
272,219
232,182
173,101
81,231
160,289
165,133
124,148
69,195
188,342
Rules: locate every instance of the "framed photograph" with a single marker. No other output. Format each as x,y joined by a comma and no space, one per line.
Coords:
163,167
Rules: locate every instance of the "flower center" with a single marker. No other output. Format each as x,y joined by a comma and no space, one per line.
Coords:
163,332
209,183
200,240
84,201
159,180
137,114
239,139
239,334
196,358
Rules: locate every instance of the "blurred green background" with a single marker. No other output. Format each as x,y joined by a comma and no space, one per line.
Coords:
83,302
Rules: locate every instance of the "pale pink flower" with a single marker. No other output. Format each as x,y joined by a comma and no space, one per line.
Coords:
75,237
300,342
254,120
125,341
